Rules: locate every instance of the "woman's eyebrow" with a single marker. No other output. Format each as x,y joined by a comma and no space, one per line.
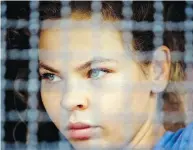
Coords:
49,68
94,61
82,67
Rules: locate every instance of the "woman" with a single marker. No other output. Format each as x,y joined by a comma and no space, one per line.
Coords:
91,87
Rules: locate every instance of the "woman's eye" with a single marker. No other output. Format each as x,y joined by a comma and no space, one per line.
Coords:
51,77
97,73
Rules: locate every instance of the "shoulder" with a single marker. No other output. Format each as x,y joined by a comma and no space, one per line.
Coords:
180,140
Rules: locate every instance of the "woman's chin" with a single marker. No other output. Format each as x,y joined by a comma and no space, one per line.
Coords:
86,143
94,144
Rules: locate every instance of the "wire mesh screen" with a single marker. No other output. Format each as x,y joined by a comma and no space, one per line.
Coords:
44,88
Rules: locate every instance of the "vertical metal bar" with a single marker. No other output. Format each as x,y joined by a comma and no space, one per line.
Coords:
96,23
127,39
3,69
65,12
188,57
33,82
158,30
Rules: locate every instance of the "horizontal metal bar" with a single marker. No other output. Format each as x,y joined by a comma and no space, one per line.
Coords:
121,25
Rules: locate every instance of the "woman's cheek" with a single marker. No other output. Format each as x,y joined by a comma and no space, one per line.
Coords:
113,82
112,97
51,96
53,87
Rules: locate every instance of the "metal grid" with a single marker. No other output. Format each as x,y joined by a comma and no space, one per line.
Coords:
33,115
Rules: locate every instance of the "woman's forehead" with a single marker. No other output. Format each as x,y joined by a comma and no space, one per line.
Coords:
79,38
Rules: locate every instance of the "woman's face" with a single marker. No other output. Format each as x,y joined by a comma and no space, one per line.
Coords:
88,78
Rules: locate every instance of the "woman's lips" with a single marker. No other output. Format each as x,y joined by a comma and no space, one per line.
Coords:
80,131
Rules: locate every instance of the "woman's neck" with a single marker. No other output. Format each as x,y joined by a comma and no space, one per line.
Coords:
147,137
150,132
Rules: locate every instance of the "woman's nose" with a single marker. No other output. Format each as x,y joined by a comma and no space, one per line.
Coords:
75,98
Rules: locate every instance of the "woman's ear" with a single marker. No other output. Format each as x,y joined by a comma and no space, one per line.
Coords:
160,69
